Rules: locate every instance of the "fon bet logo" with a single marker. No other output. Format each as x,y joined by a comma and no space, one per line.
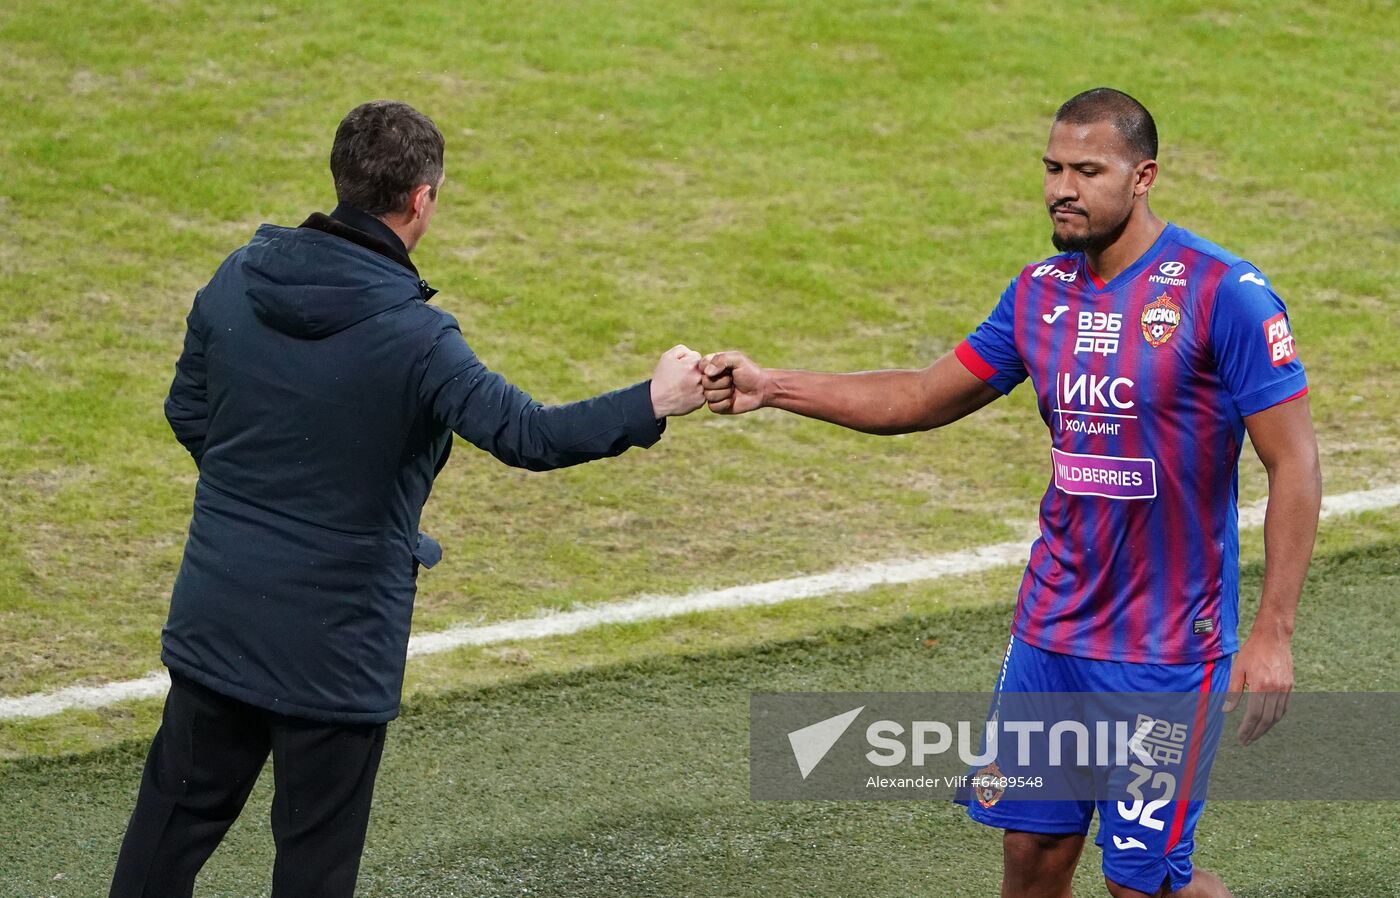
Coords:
1159,320
1282,348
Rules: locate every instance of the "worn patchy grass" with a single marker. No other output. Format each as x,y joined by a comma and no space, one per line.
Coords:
829,185
631,779
75,732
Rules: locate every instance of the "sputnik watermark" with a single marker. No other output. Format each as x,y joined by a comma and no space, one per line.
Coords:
1144,749
1123,741
1118,738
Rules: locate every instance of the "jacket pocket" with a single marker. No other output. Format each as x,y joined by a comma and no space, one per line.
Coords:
426,552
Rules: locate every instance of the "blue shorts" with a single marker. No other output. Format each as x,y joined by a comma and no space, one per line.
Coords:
1145,843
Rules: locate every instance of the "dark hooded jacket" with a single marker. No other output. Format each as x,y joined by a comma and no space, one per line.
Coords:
317,392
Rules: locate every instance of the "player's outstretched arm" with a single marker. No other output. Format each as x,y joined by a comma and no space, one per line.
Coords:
882,402
1283,437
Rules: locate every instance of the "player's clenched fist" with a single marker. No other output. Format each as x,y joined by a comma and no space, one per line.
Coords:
675,384
733,383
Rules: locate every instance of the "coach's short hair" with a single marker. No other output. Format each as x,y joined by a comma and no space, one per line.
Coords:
382,151
1128,117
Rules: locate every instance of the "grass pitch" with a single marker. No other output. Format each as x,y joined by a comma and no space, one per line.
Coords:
829,185
832,185
632,780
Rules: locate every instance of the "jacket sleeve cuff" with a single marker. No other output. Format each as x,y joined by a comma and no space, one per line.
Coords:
639,419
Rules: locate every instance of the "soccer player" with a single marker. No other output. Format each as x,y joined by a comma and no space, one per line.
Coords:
1152,352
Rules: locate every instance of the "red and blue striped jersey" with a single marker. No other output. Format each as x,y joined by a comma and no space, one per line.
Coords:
1144,383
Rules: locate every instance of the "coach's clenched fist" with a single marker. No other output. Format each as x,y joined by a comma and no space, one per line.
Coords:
675,384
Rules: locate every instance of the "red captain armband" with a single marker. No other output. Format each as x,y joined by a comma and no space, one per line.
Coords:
974,362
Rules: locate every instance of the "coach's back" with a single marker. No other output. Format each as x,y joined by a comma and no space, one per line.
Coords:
314,351
315,458
317,392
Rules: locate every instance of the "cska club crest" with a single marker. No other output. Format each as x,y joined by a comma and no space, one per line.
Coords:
1160,319
989,785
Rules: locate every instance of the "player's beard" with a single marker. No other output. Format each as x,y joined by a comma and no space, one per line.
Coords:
1091,241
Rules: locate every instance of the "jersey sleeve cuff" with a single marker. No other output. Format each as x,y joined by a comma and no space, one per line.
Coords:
1272,395
973,361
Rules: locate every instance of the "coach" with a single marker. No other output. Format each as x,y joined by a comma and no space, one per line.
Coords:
318,392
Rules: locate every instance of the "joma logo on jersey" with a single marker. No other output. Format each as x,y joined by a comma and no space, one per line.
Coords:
1096,391
1160,319
1069,277
1282,349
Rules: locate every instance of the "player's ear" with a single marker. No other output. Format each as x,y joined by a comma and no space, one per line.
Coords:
1144,176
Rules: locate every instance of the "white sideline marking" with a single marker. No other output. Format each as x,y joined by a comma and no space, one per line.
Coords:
45,704
773,592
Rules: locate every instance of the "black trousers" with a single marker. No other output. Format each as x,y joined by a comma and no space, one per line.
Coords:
201,767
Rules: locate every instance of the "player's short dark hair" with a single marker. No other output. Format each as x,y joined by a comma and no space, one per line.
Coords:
383,149
1128,117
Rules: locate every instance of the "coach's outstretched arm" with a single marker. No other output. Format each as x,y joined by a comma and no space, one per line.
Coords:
882,402
1283,437
495,415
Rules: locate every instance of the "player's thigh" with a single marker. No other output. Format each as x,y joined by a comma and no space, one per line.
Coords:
1147,822
1038,800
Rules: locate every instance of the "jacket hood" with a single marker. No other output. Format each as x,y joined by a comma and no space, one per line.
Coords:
311,284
